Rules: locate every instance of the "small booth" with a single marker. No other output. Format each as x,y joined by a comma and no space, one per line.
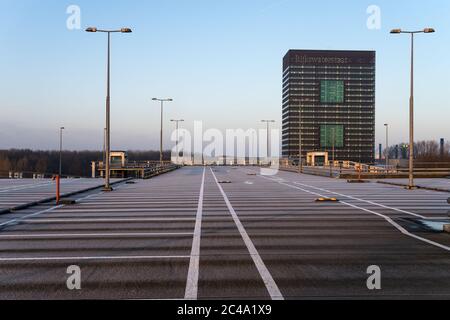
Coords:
317,159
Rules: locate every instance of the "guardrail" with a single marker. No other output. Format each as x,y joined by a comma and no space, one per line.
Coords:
158,170
359,171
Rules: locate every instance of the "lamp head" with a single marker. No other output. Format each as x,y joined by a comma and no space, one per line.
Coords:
91,29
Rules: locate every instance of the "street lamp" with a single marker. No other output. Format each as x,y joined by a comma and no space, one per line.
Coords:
178,136
60,149
411,102
108,102
300,140
268,122
387,147
161,135
333,145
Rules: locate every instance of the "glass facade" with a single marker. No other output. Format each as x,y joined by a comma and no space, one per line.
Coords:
326,90
331,91
331,136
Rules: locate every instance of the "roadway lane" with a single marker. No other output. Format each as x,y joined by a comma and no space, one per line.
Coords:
187,235
227,271
320,250
133,243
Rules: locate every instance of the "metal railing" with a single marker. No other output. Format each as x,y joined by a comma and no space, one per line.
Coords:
349,168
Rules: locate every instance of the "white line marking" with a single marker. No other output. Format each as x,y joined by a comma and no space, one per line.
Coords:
389,220
30,216
89,235
271,286
45,211
362,200
33,186
19,188
27,259
193,274
86,220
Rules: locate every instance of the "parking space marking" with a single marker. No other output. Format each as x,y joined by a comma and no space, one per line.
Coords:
269,282
105,220
362,200
29,216
91,235
388,219
194,264
93,258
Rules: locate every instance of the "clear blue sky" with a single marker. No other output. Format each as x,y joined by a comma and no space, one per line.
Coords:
219,60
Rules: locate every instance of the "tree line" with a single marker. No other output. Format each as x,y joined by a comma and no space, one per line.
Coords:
425,151
74,163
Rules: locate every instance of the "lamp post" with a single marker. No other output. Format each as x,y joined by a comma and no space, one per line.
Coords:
108,102
161,134
104,147
387,147
300,140
178,136
411,102
268,122
60,149
333,135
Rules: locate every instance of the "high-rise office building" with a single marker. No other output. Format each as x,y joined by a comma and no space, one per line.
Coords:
330,97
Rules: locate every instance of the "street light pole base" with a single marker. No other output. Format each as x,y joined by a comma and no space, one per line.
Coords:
411,188
107,189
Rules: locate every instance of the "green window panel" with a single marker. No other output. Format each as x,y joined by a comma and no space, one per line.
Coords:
332,91
328,132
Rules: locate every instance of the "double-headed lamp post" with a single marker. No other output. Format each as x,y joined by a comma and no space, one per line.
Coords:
108,102
178,136
268,122
161,160
60,149
411,102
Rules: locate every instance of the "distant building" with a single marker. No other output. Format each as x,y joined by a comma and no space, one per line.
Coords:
334,92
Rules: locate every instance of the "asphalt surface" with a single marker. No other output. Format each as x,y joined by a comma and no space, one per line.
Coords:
187,235
17,192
